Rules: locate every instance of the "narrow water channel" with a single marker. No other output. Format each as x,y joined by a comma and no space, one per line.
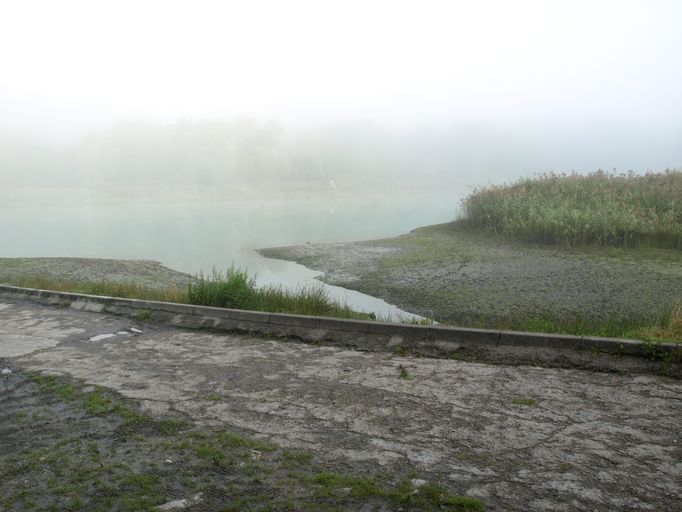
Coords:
294,275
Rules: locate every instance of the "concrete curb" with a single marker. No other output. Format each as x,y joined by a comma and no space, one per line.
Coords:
362,335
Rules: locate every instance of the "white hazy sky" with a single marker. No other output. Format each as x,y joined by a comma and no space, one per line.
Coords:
69,66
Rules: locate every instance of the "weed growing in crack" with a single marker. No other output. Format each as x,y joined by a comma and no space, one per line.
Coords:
404,373
527,402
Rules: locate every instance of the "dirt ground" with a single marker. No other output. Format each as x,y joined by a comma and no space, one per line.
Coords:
244,418
464,277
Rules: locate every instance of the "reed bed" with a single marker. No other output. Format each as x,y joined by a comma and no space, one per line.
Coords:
598,209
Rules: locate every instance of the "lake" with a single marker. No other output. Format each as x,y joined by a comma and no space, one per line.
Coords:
199,235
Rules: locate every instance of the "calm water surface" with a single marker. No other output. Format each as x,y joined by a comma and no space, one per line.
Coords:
195,236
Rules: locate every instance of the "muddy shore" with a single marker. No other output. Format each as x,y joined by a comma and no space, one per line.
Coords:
455,275
142,272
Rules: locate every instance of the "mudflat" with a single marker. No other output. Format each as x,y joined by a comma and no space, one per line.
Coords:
141,272
465,277
518,438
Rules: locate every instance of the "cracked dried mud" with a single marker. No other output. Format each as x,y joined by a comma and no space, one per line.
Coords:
468,278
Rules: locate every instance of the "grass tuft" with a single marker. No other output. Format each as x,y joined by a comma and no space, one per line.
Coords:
403,373
528,402
236,289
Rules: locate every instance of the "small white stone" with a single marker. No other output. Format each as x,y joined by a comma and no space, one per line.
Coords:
418,482
180,504
7,371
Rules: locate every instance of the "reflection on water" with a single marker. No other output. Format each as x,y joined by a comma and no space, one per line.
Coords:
196,236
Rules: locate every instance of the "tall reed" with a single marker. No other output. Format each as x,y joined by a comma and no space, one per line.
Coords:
597,209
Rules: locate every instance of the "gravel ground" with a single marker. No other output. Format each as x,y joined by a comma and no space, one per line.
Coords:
462,277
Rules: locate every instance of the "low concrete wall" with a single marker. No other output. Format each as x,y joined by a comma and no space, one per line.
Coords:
508,347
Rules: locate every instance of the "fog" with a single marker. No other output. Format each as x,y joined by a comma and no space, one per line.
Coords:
449,88
129,129
214,158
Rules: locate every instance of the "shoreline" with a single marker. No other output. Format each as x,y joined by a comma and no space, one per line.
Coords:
147,273
454,276
467,278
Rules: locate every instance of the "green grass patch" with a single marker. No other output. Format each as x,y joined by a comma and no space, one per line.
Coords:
598,209
95,462
51,384
524,401
403,373
296,457
655,327
98,403
433,496
404,494
230,439
210,452
666,325
143,315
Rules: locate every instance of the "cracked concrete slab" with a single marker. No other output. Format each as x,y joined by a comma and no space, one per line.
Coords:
521,438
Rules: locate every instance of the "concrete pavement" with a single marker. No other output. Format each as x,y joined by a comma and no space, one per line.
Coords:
521,438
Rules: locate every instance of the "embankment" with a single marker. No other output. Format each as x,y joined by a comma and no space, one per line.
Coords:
503,347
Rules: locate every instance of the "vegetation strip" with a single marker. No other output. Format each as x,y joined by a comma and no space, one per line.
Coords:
232,289
86,448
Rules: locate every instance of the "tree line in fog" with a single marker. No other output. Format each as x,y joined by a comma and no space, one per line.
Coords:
352,156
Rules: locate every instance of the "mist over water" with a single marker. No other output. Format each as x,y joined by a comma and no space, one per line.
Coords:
194,236
192,135
198,235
